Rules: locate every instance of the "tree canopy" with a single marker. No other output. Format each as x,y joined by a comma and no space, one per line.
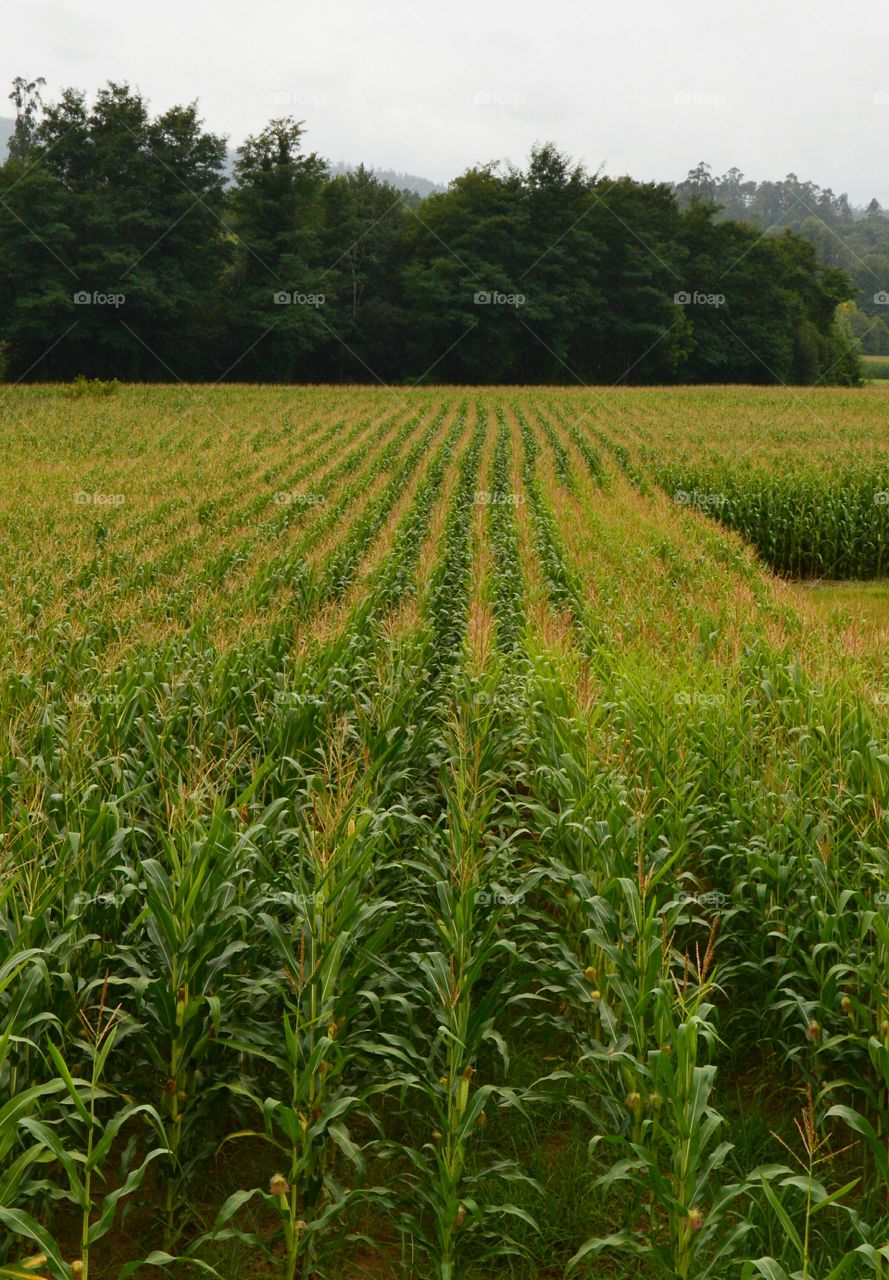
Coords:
124,251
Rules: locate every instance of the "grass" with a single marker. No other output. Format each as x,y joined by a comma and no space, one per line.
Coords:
851,603
473,862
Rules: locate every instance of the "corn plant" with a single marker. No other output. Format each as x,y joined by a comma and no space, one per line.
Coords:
195,917
18,1159
778,1184
358,893
802,522
325,929
80,1142
454,989
684,1229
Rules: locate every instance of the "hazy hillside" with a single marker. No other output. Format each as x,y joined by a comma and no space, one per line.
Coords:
401,181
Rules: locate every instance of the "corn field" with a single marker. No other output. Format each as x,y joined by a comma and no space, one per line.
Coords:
439,839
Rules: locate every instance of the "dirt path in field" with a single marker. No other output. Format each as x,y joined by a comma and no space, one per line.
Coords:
407,616
550,626
481,626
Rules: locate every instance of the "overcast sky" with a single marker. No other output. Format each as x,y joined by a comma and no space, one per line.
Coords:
646,87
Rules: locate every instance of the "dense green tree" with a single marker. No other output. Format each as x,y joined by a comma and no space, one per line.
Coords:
644,337
273,308
109,204
856,241
871,334
461,251
124,252
767,306
562,254
362,255
27,101
37,280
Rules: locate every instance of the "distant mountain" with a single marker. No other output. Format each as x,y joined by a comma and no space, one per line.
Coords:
401,181
6,128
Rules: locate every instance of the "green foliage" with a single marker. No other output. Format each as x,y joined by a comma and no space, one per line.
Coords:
125,252
82,386
467,869
803,522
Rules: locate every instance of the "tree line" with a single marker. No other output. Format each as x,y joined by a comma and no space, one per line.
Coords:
125,251
857,240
